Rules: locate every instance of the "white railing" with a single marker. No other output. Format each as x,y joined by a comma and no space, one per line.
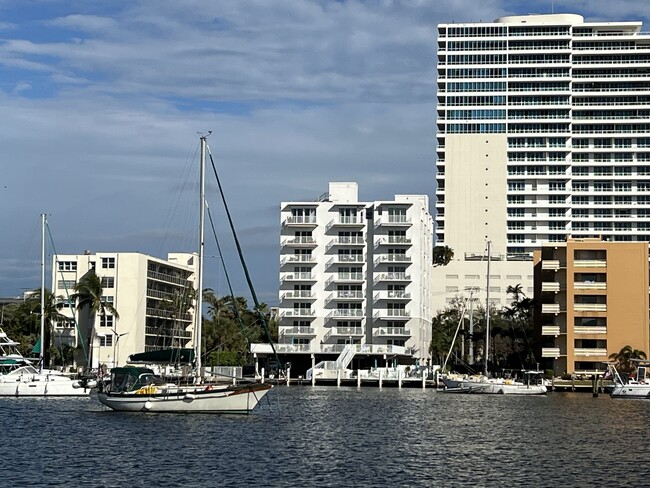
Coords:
550,308
584,285
392,277
346,313
299,240
297,331
394,239
551,286
551,264
349,294
590,351
308,219
393,258
590,263
550,352
298,258
298,312
590,307
392,294
589,330
296,294
297,277
392,332
392,313
263,348
553,330
344,332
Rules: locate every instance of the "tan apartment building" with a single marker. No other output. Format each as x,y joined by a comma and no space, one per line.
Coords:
594,301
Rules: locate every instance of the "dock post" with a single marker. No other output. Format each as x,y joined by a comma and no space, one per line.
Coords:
358,378
313,370
399,378
594,386
262,373
380,377
288,375
338,377
424,381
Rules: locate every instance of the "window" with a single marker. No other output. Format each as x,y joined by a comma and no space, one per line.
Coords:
108,263
106,341
106,321
67,266
108,299
66,284
108,282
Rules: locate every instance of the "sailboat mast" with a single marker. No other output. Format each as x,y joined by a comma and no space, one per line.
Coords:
487,310
199,298
42,348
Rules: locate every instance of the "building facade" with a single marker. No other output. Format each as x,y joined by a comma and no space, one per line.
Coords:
542,133
147,293
594,301
356,272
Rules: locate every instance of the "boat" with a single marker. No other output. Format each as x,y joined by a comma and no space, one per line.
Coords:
19,377
533,383
138,389
626,387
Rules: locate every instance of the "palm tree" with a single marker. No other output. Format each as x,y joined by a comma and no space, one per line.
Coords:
624,358
88,295
52,314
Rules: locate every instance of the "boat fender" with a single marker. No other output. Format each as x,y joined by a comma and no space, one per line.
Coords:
147,405
189,396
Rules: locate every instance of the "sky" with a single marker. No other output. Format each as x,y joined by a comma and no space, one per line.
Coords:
101,104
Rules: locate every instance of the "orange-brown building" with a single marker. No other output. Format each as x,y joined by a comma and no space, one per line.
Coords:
594,301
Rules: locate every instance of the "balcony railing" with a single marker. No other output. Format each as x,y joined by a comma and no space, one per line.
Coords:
179,280
393,258
551,286
346,241
393,240
346,258
168,314
344,277
298,277
590,263
262,348
346,295
392,332
551,264
298,258
344,313
298,312
392,313
551,330
344,332
590,351
578,329
392,277
299,241
392,295
297,331
584,285
181,334
590,307
550,352
301,220
298,294
550,308
393,220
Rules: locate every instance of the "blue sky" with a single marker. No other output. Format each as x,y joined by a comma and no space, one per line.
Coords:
101,102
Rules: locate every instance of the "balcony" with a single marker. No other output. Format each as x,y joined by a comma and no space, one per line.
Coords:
297,312
300,221
346,295
393,221
298,295
346,313
297,331
345,278
393,240
357,221
168,314
157,331
550,352
301,241
590,307
346,241
344,332
590,263
298,258
291,277
552,264
346,259
551,308
392,314
590,352
392,258
392,295
551,330
392,277
392,332
552,286
589,330
168,278
590,285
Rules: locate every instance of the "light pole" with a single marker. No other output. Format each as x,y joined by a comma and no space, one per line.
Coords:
97,339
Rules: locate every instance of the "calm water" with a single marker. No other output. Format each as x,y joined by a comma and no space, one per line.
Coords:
326,436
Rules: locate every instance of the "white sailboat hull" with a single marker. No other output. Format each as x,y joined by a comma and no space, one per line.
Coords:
41,386
235,399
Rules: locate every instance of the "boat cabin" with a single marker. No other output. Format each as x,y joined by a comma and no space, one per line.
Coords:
132,378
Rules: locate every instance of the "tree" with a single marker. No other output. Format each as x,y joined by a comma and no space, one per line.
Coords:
624,358
88,296
442,255
52,314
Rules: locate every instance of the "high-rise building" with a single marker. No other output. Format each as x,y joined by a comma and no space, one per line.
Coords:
147,293
594,301
358,273
543,133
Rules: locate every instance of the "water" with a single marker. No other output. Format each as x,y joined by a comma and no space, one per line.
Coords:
327,436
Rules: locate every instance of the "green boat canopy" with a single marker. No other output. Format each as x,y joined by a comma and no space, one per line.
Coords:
167,356
37,347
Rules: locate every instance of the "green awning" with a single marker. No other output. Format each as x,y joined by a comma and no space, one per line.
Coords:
37,347
167,356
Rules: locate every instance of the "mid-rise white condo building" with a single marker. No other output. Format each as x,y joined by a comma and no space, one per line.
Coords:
147,294
543,132
358,273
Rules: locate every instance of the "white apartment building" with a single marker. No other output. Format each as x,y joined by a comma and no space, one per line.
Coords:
143,289
356,273
543,132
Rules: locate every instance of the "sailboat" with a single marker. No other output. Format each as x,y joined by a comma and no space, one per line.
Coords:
19,377
533,383
138,389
